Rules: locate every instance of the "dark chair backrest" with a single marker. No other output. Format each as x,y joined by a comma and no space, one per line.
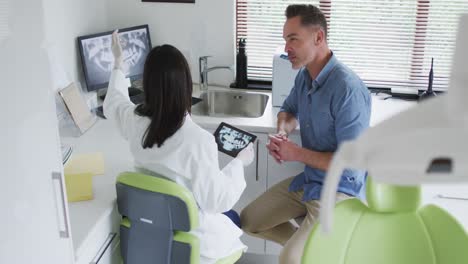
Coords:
154,209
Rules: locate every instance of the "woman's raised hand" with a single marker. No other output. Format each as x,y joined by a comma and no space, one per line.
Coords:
117,50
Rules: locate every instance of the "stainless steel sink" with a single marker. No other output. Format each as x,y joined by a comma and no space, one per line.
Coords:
231,104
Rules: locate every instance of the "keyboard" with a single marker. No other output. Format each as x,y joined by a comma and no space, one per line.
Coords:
138,99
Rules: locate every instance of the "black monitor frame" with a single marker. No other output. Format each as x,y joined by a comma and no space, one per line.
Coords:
82,39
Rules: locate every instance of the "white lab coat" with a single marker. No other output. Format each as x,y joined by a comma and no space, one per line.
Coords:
189,158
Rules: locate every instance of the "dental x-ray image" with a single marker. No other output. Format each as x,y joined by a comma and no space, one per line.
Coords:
232,140
97,59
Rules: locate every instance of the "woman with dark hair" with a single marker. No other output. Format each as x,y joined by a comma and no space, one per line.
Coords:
163,139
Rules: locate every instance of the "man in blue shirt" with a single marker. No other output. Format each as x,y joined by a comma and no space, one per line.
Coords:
331,105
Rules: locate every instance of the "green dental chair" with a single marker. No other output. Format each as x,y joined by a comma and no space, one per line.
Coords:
157,215
392,229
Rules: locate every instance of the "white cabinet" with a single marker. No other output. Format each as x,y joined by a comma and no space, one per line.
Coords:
34,220
255,177
262,174
92,221
276,173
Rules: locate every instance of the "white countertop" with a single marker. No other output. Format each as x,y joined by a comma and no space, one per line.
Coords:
381,110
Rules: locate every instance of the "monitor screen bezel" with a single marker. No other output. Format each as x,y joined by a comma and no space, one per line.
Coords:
98,86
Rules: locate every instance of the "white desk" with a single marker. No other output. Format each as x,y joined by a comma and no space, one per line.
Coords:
93,220
383,109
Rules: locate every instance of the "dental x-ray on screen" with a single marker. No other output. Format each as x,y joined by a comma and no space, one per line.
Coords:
97,59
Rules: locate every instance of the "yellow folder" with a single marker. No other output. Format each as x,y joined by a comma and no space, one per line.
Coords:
79,187
79,172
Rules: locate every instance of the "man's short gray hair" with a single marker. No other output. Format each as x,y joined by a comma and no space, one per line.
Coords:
309,14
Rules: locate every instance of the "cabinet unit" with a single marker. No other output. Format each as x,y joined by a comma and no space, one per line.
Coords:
33,205
92,221
255,177
262,174
276,173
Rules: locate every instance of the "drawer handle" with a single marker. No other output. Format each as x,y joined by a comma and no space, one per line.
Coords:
58,176
256,162
103,248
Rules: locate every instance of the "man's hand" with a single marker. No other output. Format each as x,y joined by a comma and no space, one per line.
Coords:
272,149
273,146
281,134
283,149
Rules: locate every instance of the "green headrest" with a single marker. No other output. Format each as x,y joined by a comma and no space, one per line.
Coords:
386,198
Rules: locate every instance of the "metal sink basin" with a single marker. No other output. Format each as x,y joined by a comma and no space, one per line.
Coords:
231,104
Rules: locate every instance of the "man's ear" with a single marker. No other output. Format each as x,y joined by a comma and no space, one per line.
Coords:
319,36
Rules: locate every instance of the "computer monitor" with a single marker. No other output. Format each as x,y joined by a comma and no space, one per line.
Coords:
98,61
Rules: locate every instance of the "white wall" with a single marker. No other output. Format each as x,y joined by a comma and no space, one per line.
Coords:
65,20
204,28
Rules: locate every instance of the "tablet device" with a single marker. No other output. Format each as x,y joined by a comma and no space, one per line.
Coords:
231,140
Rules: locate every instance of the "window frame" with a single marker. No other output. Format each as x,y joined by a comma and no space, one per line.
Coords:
422,16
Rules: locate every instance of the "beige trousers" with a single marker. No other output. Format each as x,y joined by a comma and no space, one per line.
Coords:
268,217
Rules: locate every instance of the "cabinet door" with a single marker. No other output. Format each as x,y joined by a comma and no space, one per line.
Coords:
35,226
276,173
255,177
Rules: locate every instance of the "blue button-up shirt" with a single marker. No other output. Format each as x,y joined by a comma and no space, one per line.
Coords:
334,107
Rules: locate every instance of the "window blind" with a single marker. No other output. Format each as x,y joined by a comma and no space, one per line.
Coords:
388,43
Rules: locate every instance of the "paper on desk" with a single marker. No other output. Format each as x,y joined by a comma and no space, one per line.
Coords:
79,187
77,107
92,163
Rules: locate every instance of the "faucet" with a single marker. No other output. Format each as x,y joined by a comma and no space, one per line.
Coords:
204,70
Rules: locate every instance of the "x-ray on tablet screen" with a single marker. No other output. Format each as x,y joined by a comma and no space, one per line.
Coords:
232,140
